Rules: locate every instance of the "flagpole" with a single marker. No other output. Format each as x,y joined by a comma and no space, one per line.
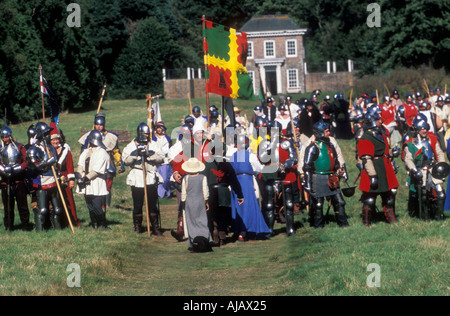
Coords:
42,94
206,67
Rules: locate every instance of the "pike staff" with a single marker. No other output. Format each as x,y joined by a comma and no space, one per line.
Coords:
297,151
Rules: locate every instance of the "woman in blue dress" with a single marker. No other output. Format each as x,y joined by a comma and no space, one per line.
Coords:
248,220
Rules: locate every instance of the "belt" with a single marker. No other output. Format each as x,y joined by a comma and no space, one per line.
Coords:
322,172
381,157
248,174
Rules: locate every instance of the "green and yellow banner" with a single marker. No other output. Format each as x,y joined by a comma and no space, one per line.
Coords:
225,58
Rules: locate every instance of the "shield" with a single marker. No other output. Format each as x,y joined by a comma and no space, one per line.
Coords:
440,170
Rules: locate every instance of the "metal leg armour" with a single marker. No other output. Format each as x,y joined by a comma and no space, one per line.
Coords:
268,206
57,211
339,210
317,212
40,213
289,211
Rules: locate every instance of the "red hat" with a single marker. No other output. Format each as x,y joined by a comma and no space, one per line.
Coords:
56,132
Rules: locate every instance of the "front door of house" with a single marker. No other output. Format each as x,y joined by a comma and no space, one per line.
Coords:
271,79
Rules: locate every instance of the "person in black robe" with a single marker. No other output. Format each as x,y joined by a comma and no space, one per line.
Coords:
308,117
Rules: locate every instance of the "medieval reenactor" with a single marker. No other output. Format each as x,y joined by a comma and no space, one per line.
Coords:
191,144
443,114
342,118
420,154
144,156
91,175
270,110
308,117
13,165
378,176
42,157
323,171
406,114
66,169
163,142
111,141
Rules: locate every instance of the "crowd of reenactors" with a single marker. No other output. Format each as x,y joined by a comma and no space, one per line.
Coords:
284,160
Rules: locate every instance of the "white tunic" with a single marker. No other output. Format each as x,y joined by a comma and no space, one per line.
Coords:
136,177
99,162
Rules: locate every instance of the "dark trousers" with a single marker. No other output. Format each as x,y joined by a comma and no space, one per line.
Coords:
17,193
138,195
94,204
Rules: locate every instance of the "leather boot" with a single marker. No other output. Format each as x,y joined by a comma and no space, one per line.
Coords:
94,220
215,236
179,233
102,221
137,222
366,215
389,214
154,225
222,237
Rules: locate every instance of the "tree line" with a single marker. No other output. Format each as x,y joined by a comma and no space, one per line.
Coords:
127,43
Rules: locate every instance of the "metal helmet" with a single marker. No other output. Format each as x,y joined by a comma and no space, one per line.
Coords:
6,131
359,115
189,120
95,138
258,108
143,133
31,131
100,119
161,124
214,114
282,107
373,114
10,155
420,122
319,129
196,109
42,130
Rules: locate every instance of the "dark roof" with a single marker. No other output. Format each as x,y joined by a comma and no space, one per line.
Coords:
269,23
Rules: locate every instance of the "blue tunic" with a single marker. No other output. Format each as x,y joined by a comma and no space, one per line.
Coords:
248,216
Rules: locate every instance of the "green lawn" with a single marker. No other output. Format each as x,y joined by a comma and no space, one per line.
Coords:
413,255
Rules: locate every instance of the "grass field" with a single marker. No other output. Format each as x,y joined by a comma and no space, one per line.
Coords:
413,256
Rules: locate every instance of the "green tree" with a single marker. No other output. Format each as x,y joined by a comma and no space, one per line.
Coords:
138,69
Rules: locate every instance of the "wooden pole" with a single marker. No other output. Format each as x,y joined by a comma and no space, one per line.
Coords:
144,171
42,94
296,149
53,167
205,52
100,102
60,191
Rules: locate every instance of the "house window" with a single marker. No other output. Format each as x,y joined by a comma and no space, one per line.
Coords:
250,50
291,48
292,78
269,50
